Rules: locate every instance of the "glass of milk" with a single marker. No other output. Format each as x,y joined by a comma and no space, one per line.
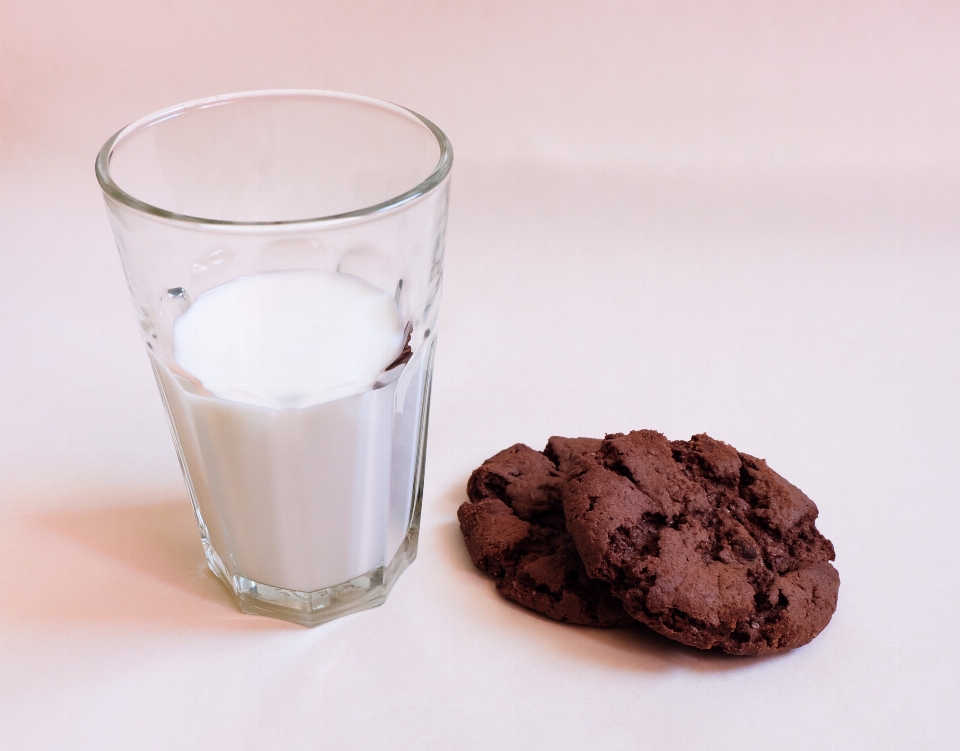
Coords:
284,252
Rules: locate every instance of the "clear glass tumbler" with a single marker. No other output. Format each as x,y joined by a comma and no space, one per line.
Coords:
284,251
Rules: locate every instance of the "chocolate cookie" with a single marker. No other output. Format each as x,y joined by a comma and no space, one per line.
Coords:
514,529
705,545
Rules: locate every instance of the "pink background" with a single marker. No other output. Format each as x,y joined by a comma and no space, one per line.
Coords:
739,218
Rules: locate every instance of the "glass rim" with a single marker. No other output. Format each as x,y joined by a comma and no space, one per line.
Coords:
114,191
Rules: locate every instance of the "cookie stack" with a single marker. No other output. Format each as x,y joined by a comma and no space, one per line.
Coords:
702,543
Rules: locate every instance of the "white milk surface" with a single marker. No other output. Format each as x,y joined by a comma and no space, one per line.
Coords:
289,338
295,456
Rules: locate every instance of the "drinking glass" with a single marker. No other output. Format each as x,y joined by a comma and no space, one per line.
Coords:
312,511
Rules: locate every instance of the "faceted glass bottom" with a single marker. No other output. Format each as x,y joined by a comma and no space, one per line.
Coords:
313,608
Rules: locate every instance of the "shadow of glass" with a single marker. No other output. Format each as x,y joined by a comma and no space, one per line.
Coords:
134,564
637,649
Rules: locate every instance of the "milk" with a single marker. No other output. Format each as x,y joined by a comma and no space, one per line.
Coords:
297,434
289,338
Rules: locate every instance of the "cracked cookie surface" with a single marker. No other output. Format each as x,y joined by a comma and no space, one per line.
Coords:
514,529
706,545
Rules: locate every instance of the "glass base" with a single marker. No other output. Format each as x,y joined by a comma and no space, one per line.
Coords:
313,608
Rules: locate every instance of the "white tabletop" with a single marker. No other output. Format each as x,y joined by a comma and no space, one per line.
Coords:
735,218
